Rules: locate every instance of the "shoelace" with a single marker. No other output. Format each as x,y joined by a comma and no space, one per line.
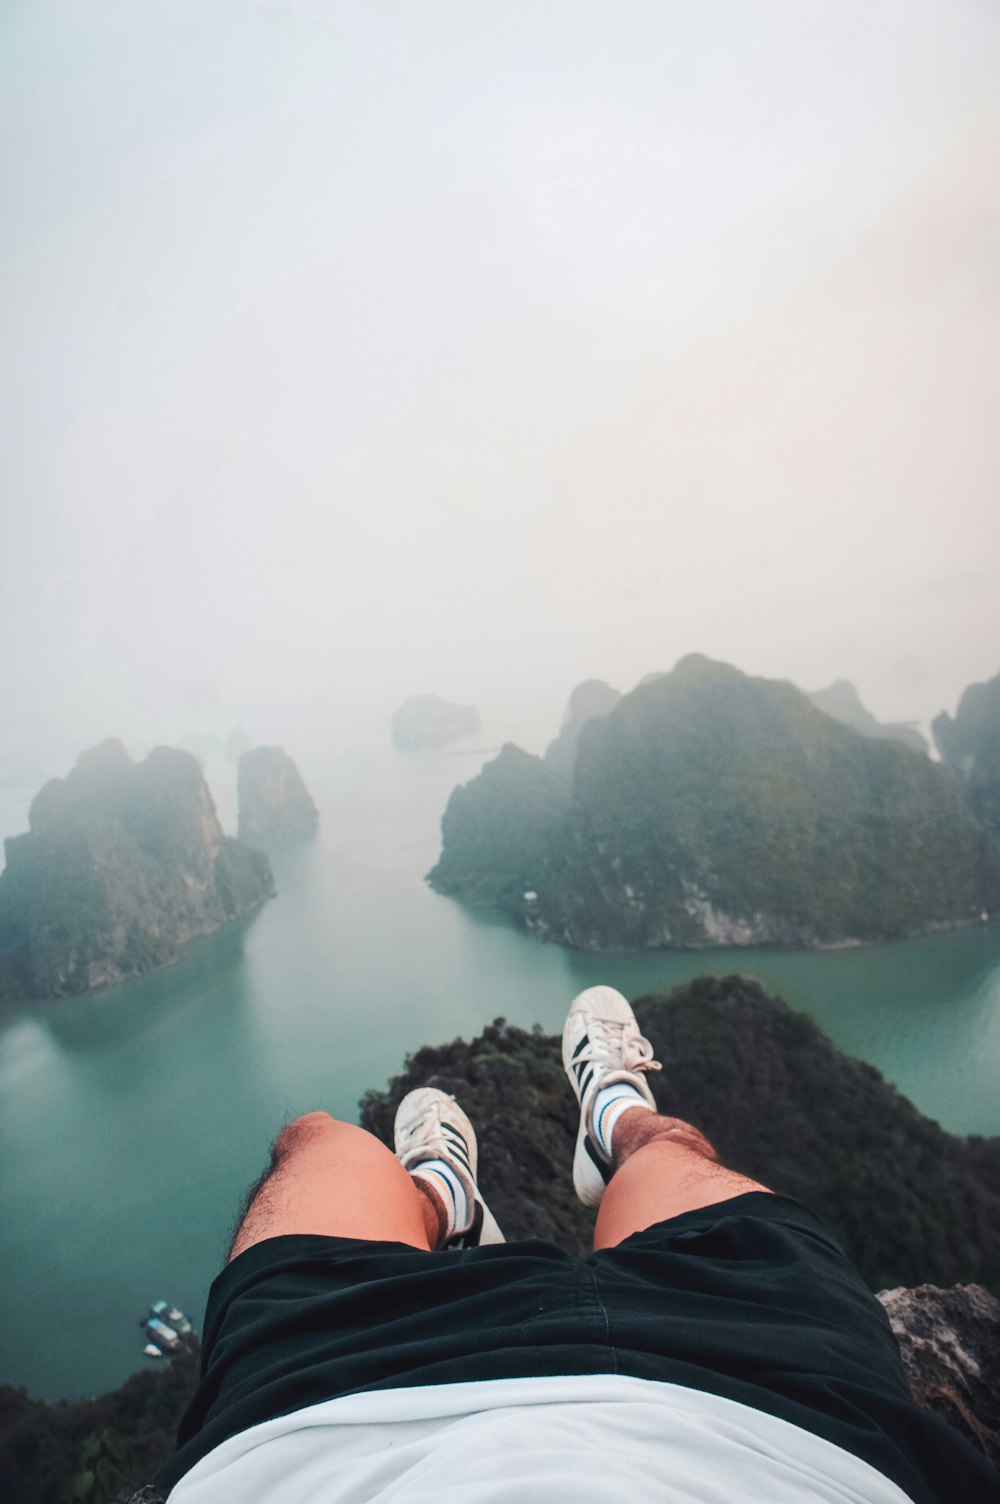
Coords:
428,1132
609,1044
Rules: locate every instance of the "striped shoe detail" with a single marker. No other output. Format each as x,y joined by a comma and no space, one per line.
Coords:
430,1125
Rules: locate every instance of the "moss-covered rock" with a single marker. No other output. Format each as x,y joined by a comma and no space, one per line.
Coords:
503,832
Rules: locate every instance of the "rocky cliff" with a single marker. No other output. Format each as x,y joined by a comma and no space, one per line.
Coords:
123,865
274,803
502,831
842,701
971,745
950,1343
425,721
710,808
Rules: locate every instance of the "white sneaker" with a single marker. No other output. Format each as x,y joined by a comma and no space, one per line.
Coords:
431,1125
601,1045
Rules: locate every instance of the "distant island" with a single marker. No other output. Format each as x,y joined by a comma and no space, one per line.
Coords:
709,808
842,701
124,864
589,700
910,1203
274,803
427,721
971,745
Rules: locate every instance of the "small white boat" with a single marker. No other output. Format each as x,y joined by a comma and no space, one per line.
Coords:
161,1333
165,1326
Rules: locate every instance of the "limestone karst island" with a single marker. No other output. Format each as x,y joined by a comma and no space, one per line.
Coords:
709,808
124,865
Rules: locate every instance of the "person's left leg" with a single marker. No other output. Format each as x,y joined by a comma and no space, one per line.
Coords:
636,1165
661,1168
336,1180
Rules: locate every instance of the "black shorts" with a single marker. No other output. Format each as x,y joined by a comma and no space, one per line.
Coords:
751,1299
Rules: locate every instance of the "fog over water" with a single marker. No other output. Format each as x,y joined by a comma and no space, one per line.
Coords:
358,349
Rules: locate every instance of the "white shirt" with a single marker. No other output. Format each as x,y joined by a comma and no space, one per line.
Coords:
587,1439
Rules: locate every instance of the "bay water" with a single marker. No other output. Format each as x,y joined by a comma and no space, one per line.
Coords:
132,1120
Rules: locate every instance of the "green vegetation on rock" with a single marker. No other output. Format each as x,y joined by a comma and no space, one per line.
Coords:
710,808
503,830
122,1438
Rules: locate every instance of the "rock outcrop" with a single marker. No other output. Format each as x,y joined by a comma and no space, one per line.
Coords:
588,702
842,701
971,745
500,832
274,803
426,721
950,1342
123,865
709,808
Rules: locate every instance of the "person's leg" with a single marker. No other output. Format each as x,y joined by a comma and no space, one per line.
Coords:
336,1180
661,1168
636,1165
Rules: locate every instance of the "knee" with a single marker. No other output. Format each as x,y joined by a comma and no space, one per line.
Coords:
318,1134
311,1122
301,1131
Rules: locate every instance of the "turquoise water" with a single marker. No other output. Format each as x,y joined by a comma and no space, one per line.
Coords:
131,1121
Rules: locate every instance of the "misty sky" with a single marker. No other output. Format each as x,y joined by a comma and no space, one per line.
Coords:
355,349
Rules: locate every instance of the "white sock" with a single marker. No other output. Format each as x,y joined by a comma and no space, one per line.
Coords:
609,1104
451,1193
